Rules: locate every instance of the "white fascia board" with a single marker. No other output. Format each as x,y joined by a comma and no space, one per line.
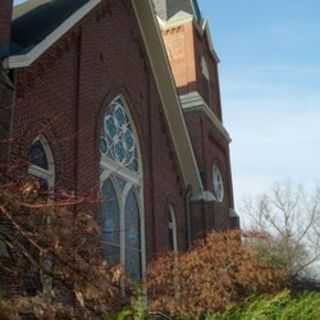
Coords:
25,60
159,61
192,102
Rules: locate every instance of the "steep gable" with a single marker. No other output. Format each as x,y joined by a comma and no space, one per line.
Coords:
34,20
65,20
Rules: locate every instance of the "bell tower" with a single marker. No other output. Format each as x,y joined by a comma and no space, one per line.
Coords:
193,59
194,64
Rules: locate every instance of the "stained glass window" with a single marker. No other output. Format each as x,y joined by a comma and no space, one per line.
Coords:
121,190
132,245
118,141
111,223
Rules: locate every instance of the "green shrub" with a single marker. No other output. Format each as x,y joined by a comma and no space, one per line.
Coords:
283,306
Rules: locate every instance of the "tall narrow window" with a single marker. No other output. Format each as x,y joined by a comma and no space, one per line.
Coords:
42,163
111,223
41,167
121,187
173,239
132,244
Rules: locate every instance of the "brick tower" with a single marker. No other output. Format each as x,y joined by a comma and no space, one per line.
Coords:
194,64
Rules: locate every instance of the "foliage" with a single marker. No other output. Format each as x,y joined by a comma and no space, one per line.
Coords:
217,273
283,306
52,256
137,310
290,220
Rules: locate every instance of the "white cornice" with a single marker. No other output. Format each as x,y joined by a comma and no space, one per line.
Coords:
182,18
25,60
178,19
205,196
193,102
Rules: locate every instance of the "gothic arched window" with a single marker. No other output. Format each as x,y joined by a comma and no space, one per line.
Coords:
173,239
42,163
121,186
43,169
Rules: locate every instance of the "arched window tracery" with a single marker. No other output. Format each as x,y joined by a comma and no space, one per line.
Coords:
121,187
217,183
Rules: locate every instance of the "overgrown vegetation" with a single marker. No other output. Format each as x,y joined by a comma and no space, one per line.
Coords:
283,306
219,272
52,267
51,262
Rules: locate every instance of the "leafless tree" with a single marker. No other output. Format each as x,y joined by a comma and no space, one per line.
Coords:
289,219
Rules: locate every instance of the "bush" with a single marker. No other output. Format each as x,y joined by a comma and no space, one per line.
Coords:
282,306
51,262
219,272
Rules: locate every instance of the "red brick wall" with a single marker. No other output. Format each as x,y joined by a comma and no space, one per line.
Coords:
186,46
63,95
180,47
210,147
5,21
210,90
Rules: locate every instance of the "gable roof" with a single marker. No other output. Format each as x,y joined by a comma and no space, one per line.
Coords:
34,20
157,54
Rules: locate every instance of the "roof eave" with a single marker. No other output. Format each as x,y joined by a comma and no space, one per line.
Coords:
25,60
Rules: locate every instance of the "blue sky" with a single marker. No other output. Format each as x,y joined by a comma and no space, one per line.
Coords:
270,82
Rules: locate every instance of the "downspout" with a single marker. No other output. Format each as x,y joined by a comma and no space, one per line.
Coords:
187,198
151,158
77,113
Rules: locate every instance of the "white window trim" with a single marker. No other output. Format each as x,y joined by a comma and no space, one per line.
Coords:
134,179
47,175
216,169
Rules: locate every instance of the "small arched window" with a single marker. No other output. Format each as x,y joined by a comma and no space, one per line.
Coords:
42,163
217,183
122,190
173,239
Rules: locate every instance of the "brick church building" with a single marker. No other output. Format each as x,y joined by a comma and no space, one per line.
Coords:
120,98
